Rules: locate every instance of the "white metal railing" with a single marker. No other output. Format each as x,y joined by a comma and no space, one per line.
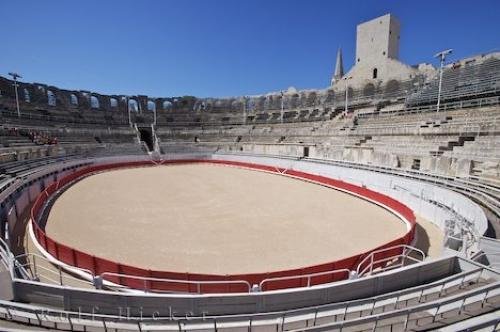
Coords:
38,268
373,262
308,277
6,257
435,310
486,255
368,306
198,283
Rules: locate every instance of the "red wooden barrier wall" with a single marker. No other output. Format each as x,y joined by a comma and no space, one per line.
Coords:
98,265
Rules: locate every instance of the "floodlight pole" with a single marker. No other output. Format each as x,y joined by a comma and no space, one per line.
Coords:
154,115
282,106
15,76
441,55
245,110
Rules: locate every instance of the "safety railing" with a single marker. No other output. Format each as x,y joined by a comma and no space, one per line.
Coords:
6,256
35,267
373,310
309,278
486,255
148,281
379,259
403,317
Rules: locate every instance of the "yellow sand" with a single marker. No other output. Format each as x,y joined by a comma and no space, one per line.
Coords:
215,219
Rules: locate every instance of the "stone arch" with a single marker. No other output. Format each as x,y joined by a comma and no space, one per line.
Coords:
113,102
228,102
199,105
151,106
350,93
269,102
392,86
311,99
368,90
208,104
330,96
167,105
27,97
236,104
218,103
276,101
294,100
260,103
250,104
133,105
73,99
51,98
94,102
302,99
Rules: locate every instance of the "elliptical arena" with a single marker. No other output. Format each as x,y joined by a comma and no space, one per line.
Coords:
372,204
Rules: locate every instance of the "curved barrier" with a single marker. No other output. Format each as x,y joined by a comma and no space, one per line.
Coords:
139,278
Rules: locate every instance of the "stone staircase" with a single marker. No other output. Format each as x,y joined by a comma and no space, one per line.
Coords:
452,144
363,141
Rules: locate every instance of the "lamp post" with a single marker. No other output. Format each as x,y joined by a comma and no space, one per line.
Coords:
441,55
154,115
15,76
346,93
245,110
282,106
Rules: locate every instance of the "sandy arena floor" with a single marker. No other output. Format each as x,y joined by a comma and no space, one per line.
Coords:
215,219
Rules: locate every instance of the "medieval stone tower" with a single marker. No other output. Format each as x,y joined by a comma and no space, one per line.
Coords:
377,55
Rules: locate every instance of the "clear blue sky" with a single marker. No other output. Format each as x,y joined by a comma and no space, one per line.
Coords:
220,47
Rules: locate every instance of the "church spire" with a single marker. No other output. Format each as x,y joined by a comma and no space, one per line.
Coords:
339,67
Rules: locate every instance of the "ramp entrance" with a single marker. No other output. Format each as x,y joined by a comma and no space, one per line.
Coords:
146,136
306,152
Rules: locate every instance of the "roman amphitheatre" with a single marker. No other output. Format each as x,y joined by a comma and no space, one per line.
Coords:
371,204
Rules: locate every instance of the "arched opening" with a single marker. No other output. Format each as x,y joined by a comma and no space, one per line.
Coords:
94,102
133,105
250,104
73,99
260,103
294,101
27,97
196,107
51,98
167,105
147,137
208,105
350,92
218,104
113,102
269,102
330,96
392,87
311,99
375,72
369,90
151,106
236,104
